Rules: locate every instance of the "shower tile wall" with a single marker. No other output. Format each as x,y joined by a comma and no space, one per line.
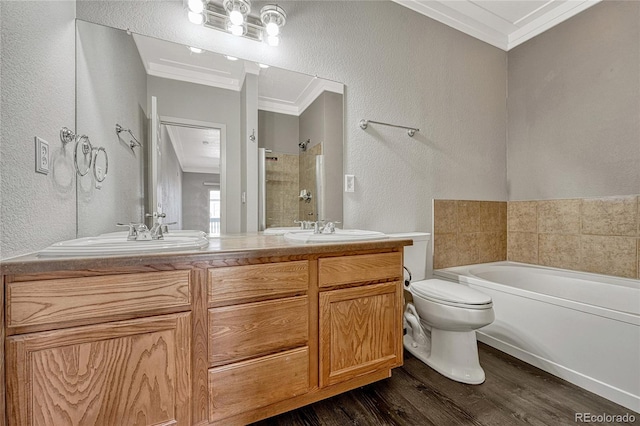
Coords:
308,181
282,189
467,232
600,235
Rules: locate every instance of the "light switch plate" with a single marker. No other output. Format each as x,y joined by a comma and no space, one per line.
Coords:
349,183
42,156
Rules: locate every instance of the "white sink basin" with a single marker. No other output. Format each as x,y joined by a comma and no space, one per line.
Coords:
341,235
283,230
116,243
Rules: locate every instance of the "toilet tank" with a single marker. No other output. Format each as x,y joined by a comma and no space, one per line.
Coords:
415,256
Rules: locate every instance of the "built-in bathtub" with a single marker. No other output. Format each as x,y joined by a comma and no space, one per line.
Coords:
582,327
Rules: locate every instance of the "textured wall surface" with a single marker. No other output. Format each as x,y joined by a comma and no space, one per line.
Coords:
574,103
38,98
397,66
112,88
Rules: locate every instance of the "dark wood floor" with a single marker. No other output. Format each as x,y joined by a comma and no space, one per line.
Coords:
514,393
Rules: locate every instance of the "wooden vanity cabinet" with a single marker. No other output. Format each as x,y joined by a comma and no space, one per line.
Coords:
361,325
98,350
258,337
124,373
217,339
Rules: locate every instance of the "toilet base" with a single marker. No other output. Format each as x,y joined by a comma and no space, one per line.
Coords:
455,355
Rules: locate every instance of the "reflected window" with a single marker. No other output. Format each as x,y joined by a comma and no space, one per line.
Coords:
214,212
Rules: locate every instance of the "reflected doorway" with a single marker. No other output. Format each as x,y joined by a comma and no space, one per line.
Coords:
192,174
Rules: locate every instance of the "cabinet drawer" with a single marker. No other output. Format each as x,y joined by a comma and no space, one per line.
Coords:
359,268
244,331
256,383
251,282
95,299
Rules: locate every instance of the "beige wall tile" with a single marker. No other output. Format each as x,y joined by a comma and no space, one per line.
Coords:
445,250
559,251
468,249
638,219
490,216
610,216
522,216
522,247
491,247
638,255
468,216
559,217
609,255
445,216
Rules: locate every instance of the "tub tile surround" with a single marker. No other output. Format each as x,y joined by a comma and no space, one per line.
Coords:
599,235
467,232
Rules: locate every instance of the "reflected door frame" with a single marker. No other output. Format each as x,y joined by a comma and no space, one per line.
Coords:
197,124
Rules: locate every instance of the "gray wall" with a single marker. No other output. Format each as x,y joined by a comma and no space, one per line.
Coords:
204,103
278,132
112,88
37,71
398,66
333,154
321,122
574,107
195,200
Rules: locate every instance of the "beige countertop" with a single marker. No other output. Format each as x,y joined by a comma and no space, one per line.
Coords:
253,245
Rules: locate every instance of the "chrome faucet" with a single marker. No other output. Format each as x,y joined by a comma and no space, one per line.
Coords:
158,229
137,231
320,227
305,224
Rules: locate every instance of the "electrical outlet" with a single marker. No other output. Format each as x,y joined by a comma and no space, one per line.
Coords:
42,156
349,183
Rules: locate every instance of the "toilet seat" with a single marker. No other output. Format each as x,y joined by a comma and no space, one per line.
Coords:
451,294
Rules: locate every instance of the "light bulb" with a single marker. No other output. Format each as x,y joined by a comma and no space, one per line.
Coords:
273,40
236,30
196,6
236,17
273,29
196,18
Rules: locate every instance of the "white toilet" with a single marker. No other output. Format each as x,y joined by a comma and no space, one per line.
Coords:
443,317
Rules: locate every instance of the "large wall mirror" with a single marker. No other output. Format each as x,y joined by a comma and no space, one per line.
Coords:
226,145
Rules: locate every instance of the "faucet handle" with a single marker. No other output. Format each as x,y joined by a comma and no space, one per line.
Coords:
135,229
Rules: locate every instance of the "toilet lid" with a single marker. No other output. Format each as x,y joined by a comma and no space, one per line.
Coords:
449,292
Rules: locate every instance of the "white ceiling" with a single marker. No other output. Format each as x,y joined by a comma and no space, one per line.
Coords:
279,90
198,150
501,23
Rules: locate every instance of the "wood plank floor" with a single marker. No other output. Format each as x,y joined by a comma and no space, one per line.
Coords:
514,393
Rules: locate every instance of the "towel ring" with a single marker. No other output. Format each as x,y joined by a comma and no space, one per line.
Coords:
87,148
106,165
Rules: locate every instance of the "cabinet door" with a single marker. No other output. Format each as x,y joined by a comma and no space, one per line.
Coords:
123,373
360,331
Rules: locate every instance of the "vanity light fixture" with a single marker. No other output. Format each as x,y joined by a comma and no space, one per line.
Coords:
196,11
234,16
